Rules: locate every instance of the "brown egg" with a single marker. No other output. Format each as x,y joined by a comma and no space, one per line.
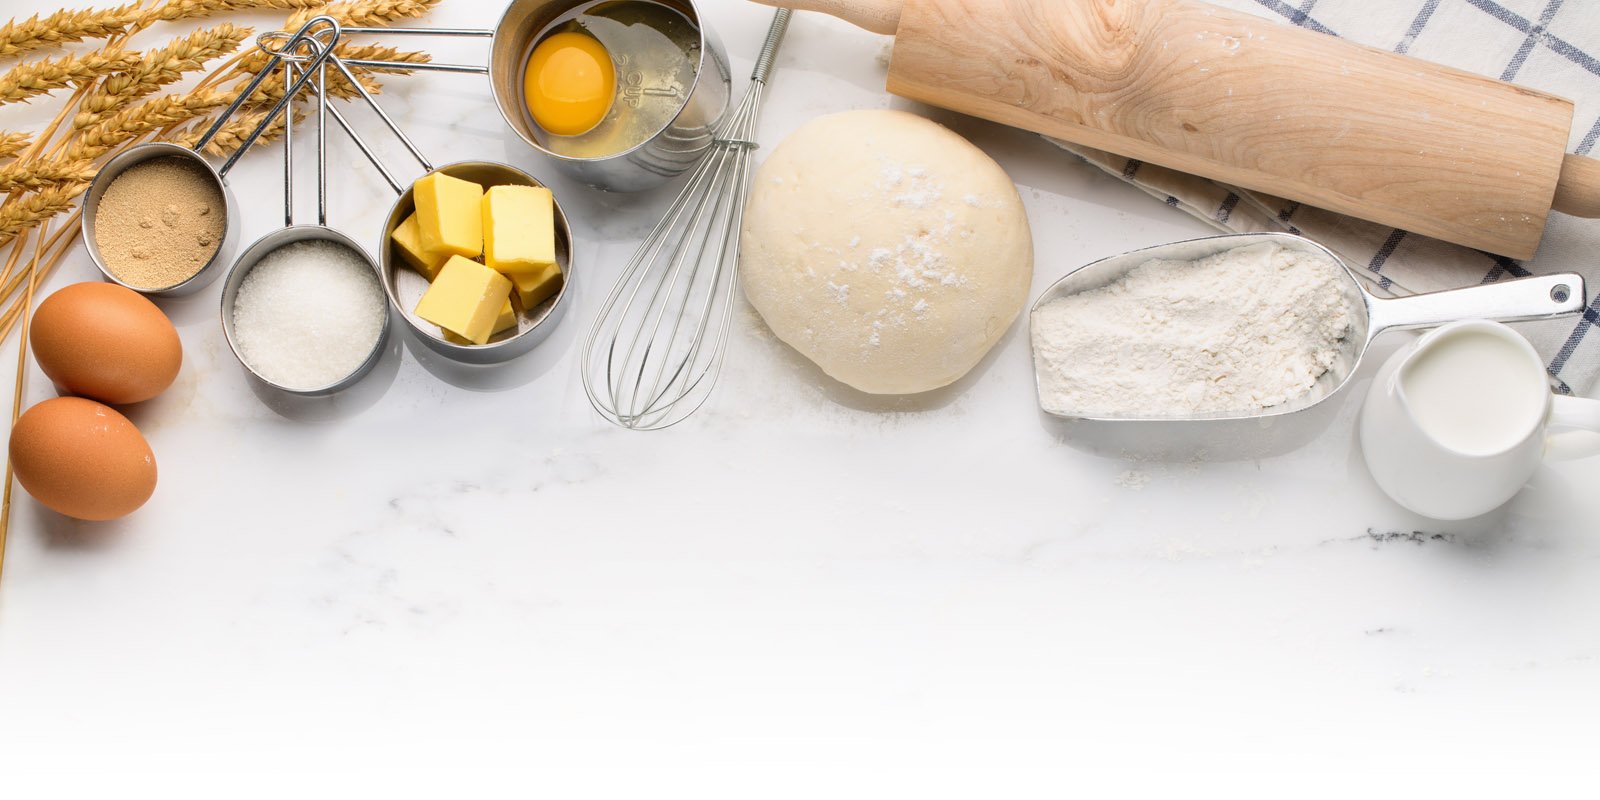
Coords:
107,342
82,459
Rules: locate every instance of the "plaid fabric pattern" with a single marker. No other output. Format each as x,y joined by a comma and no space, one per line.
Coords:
1553,45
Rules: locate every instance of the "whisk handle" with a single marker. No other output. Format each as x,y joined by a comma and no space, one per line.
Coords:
769,48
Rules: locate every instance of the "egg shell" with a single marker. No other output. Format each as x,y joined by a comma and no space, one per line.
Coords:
82,459
107,342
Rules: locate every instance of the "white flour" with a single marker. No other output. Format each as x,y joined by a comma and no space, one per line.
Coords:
1241,330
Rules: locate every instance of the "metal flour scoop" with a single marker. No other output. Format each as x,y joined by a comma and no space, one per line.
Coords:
1259,432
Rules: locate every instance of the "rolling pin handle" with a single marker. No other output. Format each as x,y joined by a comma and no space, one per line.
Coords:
878,16
1578,189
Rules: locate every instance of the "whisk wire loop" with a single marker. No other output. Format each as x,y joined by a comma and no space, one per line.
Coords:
665,324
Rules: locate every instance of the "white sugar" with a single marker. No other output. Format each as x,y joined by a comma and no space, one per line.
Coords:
308,314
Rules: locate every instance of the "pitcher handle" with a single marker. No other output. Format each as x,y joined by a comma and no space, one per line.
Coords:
1578,414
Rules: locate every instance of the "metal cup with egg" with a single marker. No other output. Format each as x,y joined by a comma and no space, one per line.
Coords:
642,80
589,83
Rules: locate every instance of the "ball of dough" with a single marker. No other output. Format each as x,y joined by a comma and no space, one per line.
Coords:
885,248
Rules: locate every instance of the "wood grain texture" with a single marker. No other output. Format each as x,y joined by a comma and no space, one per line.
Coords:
1578,193
1252,103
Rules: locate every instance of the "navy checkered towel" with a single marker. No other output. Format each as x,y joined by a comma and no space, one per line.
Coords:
1553,45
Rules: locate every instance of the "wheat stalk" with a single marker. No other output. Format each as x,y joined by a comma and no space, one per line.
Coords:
232,135
378,52
175,10
363,13
77,163
40,77
130,123
337,85
37,175
64,26
272,90
12,143
158,68
359,13
17,216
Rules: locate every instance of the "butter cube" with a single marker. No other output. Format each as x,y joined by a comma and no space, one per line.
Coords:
519,228
449,215
507,320
534,288
466,299
408,240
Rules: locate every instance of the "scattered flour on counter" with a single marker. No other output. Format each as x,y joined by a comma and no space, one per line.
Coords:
1133,479
1242,330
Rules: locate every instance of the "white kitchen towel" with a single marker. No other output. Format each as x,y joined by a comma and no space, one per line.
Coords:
1552,45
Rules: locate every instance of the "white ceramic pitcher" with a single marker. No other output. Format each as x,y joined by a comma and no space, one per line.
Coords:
1455,424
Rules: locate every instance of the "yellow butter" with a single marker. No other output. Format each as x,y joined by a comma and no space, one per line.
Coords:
519,228
534,288
507,318
449,215
506,321
408,240
466,299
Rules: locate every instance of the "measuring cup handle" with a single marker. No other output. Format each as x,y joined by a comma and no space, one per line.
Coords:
427,66
1578,414
1537,297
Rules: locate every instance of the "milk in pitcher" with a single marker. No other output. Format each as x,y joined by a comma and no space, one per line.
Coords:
1474,392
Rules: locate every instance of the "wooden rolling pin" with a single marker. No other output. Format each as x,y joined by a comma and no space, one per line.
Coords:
1252,103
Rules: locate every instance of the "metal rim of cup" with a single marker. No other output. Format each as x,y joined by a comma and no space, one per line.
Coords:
496,351
271,243
113,169
517,115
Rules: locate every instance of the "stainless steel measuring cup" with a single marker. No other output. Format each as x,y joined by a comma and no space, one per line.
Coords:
291,232
150,150
664,155
402,284
138,154
1274,429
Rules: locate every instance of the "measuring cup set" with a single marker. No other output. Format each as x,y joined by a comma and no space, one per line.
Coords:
306,55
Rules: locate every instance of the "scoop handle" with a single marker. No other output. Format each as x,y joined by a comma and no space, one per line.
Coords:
1536,297
878,16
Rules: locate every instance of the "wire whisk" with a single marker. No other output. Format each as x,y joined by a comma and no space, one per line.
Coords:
654,352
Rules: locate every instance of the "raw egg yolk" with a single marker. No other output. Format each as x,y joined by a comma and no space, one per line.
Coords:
570,83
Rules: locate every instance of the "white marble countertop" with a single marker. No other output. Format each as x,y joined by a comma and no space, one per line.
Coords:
447,579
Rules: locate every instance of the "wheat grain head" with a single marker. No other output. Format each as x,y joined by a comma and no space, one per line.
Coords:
66,25
151,115
21,214
33,176
13,143
157,68
41,77
363,13
176,10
